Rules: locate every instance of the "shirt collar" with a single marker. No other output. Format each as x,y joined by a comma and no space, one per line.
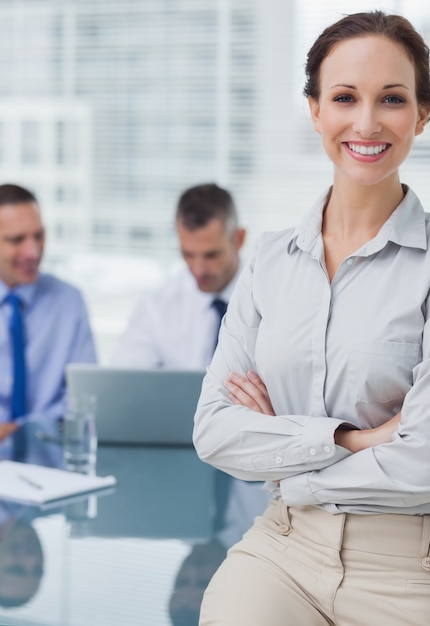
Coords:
25,292
306,234
226,293
406,226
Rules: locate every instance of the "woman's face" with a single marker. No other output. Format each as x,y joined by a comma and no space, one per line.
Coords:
367,112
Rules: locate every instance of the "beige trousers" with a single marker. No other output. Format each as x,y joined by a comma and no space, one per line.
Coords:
302,566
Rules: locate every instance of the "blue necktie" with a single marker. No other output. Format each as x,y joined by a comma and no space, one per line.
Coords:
220,307
18,398
223,481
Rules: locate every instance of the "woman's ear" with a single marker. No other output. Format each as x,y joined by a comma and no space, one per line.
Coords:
423,118
314,108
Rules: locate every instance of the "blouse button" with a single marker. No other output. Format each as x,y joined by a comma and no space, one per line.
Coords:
278,459
327,449
349,261
425,562
312,451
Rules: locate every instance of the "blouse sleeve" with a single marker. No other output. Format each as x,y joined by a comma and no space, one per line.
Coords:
393,475
244,443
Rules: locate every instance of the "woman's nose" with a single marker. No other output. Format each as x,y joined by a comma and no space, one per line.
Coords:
367,121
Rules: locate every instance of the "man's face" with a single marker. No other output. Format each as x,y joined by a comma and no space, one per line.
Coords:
22,239
211,253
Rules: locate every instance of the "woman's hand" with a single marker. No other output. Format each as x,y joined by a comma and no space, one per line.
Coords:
249,391
356,440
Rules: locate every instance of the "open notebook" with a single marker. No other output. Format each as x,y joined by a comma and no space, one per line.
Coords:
38,485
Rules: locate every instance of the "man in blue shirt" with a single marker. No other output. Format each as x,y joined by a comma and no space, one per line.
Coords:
54,323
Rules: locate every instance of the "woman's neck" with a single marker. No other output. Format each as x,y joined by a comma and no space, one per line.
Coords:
353,216
357,210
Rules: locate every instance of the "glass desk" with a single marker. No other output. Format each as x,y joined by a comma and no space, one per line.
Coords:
136,556
109,559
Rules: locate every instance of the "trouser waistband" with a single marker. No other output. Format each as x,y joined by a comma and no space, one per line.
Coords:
390,534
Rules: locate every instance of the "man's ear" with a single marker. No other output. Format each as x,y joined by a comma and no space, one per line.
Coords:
240,236
314,108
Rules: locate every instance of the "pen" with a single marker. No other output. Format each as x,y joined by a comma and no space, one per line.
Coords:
30,482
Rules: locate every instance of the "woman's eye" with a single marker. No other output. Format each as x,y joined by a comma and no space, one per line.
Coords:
343,98
394,100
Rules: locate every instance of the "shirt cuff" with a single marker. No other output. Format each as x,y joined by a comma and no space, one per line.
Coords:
299,491
318,439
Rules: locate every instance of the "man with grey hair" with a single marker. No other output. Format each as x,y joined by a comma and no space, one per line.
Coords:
176,325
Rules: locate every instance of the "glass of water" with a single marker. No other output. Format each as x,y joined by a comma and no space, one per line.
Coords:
79,434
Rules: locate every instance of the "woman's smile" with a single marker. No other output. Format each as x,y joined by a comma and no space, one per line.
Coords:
366,151
367,121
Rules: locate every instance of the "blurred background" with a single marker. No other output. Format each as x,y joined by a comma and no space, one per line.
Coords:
110,108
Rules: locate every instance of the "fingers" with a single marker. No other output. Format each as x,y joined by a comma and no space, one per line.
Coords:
249,391
7,429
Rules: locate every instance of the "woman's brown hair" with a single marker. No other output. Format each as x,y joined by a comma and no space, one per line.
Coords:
394,27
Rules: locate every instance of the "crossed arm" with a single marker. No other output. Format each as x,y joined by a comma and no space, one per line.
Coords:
251,392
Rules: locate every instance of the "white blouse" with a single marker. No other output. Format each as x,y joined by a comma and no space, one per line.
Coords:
355,350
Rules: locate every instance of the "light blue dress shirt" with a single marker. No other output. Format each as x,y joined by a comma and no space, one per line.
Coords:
57,332
355,350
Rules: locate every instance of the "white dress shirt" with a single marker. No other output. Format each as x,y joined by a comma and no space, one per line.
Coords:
354,350
173,327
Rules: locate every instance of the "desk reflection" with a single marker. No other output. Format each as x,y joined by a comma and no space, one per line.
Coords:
21,557
140,556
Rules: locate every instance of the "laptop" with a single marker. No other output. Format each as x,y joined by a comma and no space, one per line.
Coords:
153,406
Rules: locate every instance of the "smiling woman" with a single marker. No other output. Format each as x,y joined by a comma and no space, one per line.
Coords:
325,357
367,119
367,125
